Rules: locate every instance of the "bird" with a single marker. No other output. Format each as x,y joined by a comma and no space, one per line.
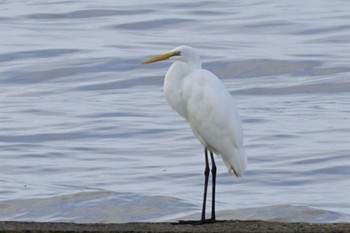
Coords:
198,96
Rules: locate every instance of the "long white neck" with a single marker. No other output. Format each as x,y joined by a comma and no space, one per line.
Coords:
173,85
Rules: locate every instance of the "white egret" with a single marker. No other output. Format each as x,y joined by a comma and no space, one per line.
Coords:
202,99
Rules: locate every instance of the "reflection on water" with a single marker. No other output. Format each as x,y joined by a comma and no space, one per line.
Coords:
100,206
84,124
108,207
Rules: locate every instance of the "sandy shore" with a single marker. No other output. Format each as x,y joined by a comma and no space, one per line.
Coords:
225,226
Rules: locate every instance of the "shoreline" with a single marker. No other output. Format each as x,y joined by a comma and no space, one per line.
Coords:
221,226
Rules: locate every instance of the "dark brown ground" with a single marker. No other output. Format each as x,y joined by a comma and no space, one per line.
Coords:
225,226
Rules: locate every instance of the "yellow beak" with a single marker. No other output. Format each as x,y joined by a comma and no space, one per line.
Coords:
160,58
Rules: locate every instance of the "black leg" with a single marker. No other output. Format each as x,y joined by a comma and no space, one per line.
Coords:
213,172
206,174
206,180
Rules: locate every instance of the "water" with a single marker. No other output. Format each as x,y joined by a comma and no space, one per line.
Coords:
86,134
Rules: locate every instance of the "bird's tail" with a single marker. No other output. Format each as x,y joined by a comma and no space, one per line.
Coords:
236,161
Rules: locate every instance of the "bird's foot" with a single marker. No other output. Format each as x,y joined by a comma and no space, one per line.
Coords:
197,222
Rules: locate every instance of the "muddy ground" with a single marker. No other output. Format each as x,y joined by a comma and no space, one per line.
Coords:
224,226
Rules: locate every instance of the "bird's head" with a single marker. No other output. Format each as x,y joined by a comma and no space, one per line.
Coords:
181,53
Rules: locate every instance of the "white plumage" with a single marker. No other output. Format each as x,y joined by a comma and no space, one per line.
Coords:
202,99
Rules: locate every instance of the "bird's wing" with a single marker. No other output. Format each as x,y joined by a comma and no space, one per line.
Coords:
210,107
213,116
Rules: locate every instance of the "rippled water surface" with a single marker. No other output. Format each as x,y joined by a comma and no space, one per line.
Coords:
86,134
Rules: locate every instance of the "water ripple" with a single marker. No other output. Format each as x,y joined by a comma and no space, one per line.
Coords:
85,127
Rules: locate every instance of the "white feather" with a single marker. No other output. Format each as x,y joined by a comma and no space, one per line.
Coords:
202,99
